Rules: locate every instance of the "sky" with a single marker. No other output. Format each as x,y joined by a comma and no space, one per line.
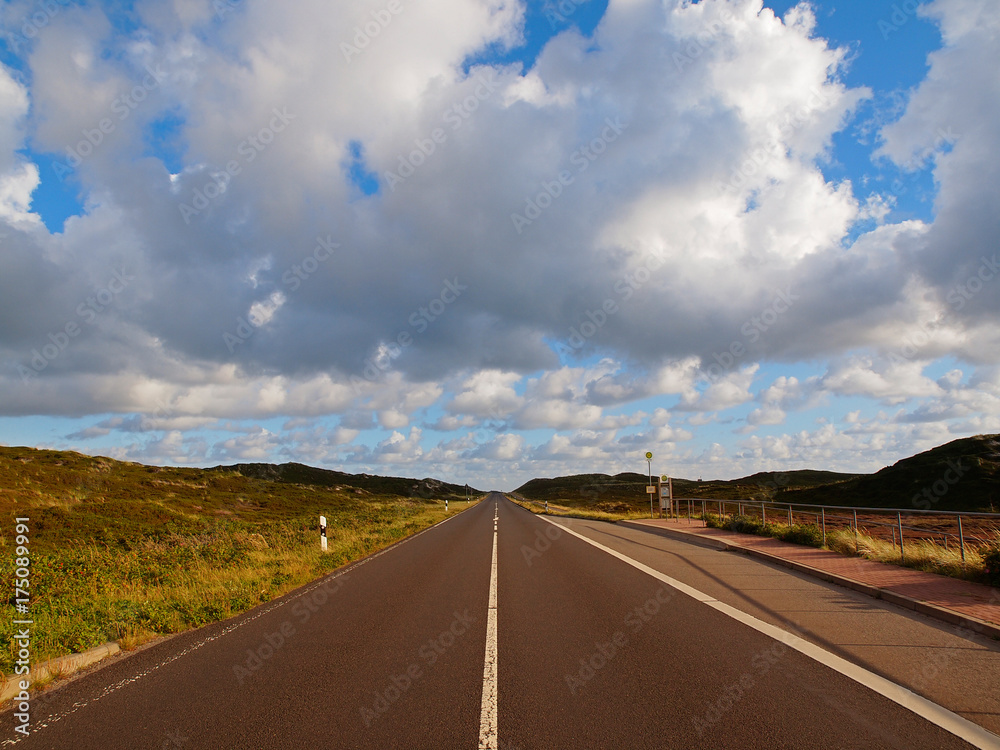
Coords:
492,240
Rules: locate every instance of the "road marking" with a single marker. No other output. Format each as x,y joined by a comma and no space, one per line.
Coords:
951,722
488,713
243,619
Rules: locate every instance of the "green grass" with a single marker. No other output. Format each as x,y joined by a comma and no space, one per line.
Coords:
125,552
593,514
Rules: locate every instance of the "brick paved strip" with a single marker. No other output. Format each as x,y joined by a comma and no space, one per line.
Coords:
951,600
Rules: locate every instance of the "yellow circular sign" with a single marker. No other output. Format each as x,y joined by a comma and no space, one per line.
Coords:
648,455
664,477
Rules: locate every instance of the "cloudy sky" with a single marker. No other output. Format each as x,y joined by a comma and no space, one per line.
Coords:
488,240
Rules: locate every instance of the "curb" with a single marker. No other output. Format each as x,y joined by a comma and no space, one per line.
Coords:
982,627
62,666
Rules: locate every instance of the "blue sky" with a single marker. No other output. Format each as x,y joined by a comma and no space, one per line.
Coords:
488,240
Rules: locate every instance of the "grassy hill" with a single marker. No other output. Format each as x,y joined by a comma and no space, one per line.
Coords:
627,491
963,475
122,551
973,463
293,473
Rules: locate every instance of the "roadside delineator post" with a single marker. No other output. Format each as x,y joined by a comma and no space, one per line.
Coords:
322,533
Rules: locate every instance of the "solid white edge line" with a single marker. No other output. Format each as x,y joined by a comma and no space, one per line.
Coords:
488,712
939,715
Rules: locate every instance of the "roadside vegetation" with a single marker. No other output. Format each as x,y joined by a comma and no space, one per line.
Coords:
611,512
125,552
982,564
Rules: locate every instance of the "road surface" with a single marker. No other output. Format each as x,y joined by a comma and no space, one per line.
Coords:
585,650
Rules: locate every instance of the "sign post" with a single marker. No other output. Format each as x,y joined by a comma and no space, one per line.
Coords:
322,533
650,490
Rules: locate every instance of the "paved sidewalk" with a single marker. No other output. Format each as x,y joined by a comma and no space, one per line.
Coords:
971,605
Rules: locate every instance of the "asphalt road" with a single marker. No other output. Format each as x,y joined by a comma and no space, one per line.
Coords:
391,653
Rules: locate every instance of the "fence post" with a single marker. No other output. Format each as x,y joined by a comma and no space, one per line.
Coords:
789,515
961,540
704,513
822,514
899,523
856,532
763,515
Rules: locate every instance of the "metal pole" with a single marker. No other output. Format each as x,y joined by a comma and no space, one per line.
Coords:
961,540
704,513
899,523
649,465
822,513
763,515
855,532
789,516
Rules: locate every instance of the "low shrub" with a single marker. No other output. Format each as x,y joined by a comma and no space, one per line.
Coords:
991,566
807,534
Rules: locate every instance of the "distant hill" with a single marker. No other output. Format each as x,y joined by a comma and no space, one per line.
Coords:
65,478
961,475
293,473
628,490
902,485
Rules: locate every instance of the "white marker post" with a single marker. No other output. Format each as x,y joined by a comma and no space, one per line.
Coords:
322,533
